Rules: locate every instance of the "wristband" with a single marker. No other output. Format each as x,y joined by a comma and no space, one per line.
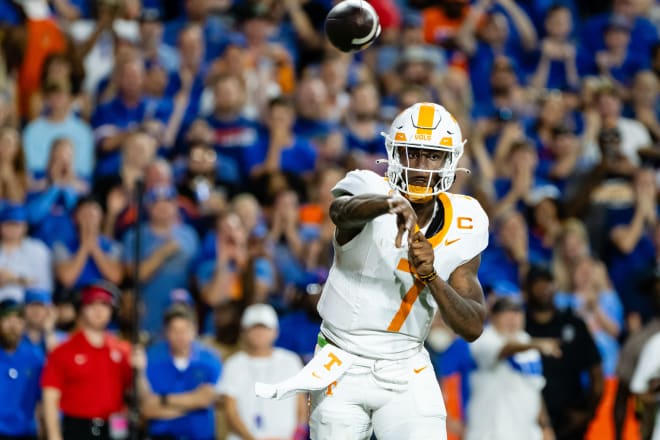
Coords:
429,277
163,399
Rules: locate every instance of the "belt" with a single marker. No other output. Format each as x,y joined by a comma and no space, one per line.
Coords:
80,428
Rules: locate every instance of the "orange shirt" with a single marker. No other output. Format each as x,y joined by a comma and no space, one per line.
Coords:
438,27
43,38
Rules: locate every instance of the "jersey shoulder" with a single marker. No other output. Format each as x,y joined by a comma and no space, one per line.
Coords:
358,182
469,209
469,222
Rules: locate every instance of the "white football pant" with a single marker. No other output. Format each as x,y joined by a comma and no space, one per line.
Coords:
398,400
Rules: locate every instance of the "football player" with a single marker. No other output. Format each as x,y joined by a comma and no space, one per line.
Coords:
405,248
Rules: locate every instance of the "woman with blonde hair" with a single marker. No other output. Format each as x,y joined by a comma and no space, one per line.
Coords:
572,245
13,168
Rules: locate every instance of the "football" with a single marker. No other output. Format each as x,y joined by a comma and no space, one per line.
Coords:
352,25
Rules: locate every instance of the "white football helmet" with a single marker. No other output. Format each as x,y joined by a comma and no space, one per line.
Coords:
423,126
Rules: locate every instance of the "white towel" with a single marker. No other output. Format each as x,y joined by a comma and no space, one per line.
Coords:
327,365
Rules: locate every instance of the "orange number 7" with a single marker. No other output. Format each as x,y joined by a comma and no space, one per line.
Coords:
407,301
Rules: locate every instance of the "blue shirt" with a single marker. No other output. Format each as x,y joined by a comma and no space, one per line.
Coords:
172,274
64,250
628,270
298,333
643,35
49,214
165,378
9,13
39,135
456,359
297,158
115,116
231,138
375,145
497,266
20,375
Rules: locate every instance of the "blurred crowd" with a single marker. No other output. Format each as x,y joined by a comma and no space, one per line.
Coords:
238,117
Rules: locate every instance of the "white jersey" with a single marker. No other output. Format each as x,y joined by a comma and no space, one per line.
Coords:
372,305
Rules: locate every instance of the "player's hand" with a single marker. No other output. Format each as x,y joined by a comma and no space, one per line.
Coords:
420,254
406,218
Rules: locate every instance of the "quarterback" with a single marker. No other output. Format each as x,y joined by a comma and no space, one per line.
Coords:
405,248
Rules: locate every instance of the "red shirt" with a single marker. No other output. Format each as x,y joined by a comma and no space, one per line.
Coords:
92,380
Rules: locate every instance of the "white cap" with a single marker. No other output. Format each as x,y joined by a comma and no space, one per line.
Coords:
260,314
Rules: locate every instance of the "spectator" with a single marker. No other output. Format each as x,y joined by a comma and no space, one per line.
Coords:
64,69
54,197
517,162
643,32
506,259
503,29
616,62
40,316
151,41
319,250
280,150
168,248
592,298
116,191
311,100
20,384
571,247
249,416
570,406
226,271
334,71
441,24
557,64
625,369
182,375
453,363
233,133
71,383
13,170
544,223
191,71
60,121
631,252
24,261
88,256
646,379
633,134
644,102
300,328
204,184
506,400
114,120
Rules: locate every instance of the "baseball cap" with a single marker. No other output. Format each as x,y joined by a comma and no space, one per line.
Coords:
619,22
150,14
13,213
542,192
101,291
37,295
9,306
259,314
506,304
164,192
180,296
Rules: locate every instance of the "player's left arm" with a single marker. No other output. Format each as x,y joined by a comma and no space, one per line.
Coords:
461,298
